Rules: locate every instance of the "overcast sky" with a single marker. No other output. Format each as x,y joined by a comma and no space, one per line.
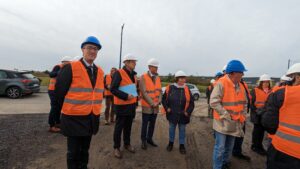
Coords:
197,36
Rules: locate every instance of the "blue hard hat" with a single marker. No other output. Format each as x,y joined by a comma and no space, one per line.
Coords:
218,74
235,66
92,40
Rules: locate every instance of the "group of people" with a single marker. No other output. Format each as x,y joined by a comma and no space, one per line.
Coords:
78,87
274,110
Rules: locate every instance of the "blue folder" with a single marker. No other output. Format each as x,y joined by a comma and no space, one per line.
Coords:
129,89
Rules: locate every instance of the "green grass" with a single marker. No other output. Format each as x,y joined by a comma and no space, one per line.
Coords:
201,88
45,80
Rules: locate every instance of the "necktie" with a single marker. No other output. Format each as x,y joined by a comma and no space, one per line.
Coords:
92,73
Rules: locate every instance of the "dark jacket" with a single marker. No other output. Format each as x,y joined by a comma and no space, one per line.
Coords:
75,125
270,118
122,110
55,71
209,89
176,102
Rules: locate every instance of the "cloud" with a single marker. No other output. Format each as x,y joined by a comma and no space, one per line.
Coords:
199,37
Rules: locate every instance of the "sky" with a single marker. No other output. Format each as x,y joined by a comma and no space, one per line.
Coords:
196,36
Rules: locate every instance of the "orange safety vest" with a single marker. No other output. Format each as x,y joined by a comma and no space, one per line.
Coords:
125,82
107,82
287,137
261,97
152,89
82,98
53,80
233,102
186,94
275,88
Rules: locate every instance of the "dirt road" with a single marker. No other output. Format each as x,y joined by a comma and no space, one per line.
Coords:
25,143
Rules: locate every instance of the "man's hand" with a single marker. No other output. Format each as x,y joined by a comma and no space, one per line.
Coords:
155,105
130,96
186,114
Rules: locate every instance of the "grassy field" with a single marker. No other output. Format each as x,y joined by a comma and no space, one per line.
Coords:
45,80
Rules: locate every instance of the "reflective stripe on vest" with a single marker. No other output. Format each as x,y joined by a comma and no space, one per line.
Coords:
186,94
124,82
153,90
53,80
233,102
287,136
260,97
107,82
82,98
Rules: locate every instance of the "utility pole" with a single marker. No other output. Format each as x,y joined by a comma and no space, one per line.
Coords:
121,46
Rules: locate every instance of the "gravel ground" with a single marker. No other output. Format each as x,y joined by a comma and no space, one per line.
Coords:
25,143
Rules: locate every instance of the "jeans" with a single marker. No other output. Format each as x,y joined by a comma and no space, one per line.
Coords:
172,129
148,126
78,151
222,149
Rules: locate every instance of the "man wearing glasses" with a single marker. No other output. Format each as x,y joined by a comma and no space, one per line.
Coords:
79,92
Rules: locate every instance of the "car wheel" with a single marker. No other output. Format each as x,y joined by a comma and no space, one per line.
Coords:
13,92
196,96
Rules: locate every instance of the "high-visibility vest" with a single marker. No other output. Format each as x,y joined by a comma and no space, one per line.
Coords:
186,94
153,90
107,82
275,88
53,80
260,97
82,98
233,102
287,137
125,82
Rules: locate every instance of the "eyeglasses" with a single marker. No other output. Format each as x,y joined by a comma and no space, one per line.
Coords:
91,48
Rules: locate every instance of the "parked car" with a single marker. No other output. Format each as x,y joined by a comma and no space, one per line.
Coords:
14,84
193,88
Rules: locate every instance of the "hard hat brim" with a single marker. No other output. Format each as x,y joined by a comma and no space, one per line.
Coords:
85,43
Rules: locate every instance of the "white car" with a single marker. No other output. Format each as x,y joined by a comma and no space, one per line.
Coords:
193,88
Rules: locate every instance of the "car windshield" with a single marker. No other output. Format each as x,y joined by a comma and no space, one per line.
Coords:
28,75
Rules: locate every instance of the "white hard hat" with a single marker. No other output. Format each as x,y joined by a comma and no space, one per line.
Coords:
224,68
180,73
66,59
129,57
293,69
153,62
264,77
76,58
285,78
212,81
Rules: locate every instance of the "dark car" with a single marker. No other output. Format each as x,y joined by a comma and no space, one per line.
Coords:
14,84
